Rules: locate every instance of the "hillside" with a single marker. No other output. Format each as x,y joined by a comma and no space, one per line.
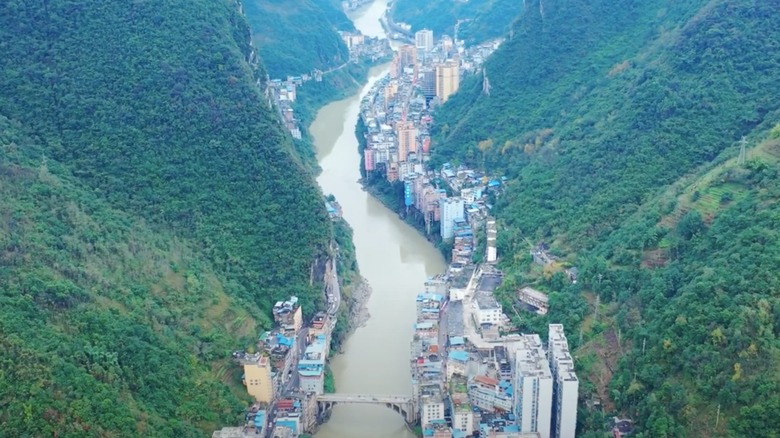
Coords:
487,19
619,124
295,37
145,189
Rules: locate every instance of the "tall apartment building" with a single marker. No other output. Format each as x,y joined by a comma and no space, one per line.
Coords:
406,133
565,384
451,209
258,377
533,393
407,57
428,83
447,80
423,40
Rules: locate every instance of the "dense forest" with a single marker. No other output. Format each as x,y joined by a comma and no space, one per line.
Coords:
619,125
482,19
145,187
295,37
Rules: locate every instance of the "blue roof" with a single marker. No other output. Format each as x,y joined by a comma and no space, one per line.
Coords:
457,433
457,340
512,428
433,297
461,356
424,325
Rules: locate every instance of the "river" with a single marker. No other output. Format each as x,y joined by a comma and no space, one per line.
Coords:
394,258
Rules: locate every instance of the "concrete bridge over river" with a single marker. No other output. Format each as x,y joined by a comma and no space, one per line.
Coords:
401,404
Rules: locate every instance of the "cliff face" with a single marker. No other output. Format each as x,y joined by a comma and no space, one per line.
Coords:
153,211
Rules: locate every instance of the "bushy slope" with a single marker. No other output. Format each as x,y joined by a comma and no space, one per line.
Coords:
596,104
154,107
106,327
487,18
151,213
295,37
618,124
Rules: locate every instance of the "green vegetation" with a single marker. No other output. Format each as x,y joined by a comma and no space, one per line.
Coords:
618,125
330,384
487,18
144,189
295,37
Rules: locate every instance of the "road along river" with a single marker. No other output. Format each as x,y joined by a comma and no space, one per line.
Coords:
394,258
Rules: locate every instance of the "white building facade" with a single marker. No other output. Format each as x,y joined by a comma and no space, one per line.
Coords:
533,394
452,209
423,40
565,384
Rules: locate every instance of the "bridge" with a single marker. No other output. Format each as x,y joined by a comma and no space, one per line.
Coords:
401,404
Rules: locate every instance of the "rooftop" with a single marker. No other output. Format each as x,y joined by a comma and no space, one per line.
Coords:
486,301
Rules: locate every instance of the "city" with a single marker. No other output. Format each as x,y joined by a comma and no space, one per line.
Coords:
472,373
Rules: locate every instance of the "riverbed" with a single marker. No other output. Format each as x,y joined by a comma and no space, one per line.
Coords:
393,257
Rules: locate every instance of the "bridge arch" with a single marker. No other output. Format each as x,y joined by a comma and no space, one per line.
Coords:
402,405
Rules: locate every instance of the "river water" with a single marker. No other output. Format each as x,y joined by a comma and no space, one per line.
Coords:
394,258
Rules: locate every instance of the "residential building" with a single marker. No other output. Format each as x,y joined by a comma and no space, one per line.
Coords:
533,387
258,377
462,414
407,139
423,40
457,363
431,409
447,80
565,384
451,210
311,367
488,394
488,309
407,58
428,83
534,298
288,315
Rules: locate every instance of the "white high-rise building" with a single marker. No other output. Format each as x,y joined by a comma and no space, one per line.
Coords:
452,209
423,40
533,394
566,385
431,409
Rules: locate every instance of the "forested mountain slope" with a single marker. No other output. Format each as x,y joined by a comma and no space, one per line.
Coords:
618,125
296,36
482,19
152,210
594,105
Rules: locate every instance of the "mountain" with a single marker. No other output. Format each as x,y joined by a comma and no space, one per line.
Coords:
619,125
295,37
482,19
147,188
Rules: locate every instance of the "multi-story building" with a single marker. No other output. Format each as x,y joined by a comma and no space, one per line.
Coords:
565,384
407,58
489,394
462,414
447,80
258,377
406,133
423,40
488,309
311,367
428,83
533,387
451,210
431,409
288,315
